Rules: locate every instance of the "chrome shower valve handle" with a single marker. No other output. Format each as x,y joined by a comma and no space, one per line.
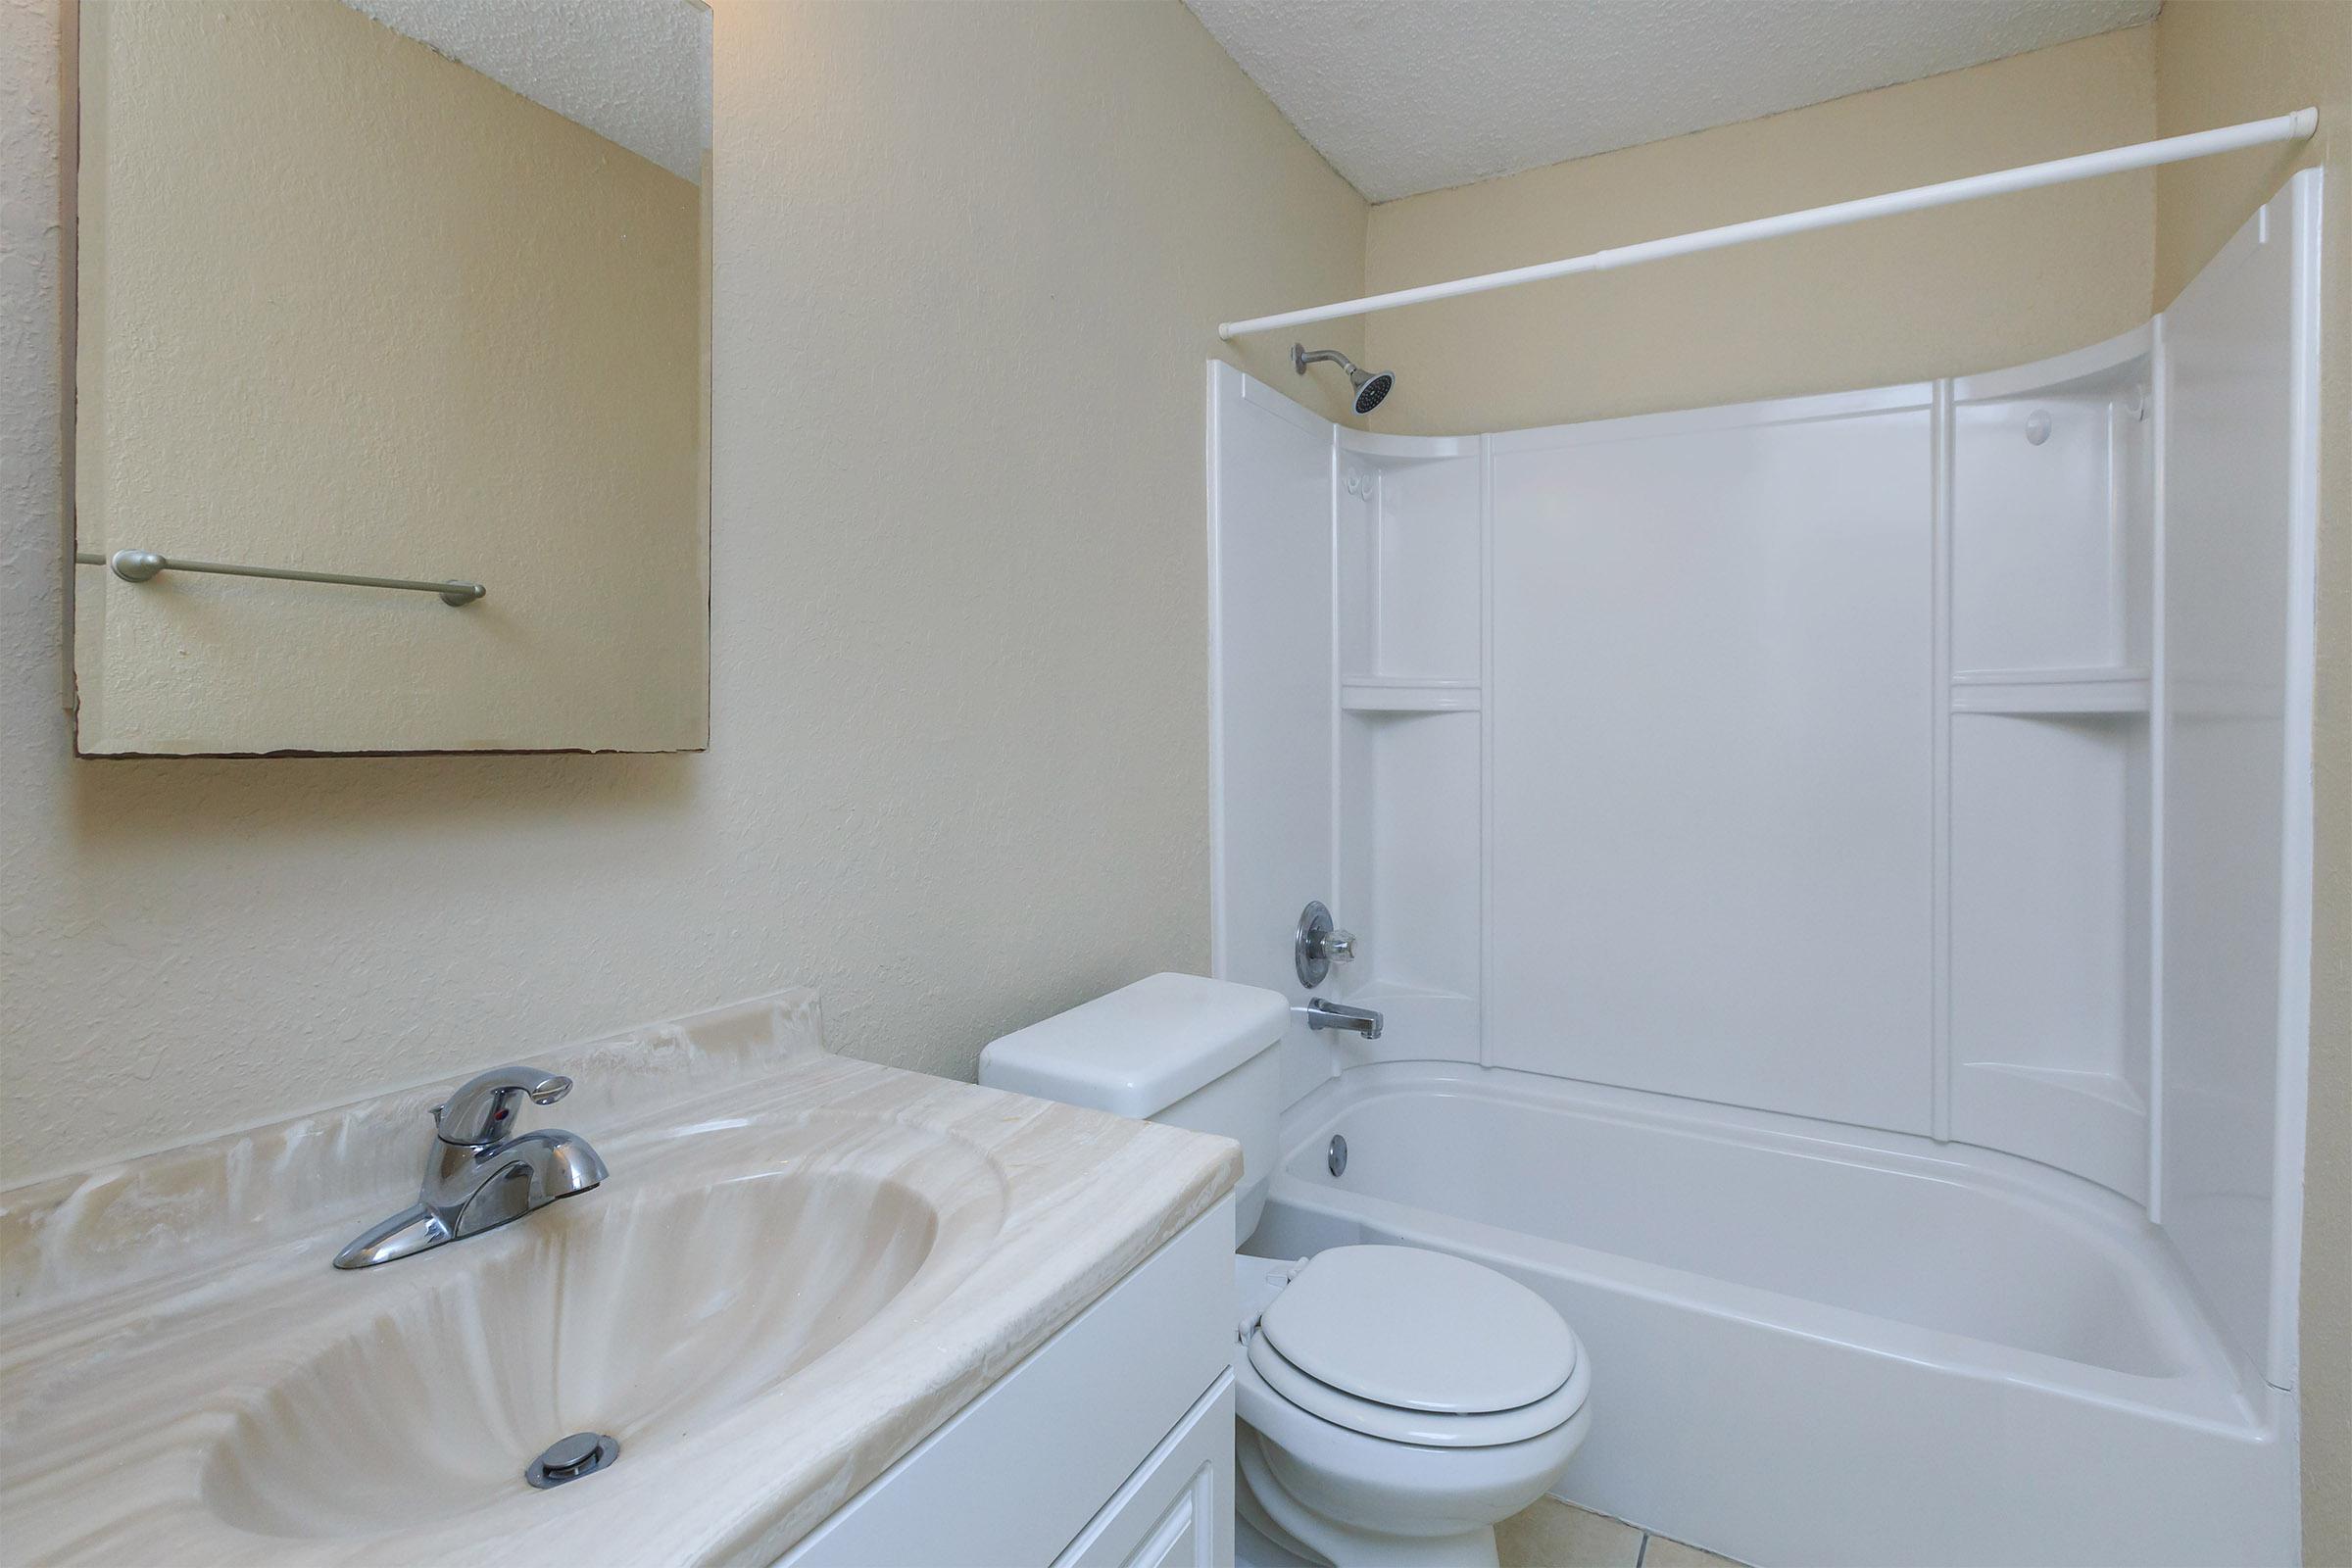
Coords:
1320,946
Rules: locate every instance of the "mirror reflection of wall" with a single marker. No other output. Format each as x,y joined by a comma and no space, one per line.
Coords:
407,289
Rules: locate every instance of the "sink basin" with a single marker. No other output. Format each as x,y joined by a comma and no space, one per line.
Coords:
645,1317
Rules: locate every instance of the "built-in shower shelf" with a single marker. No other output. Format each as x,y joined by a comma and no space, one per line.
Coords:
2119,689
1380,694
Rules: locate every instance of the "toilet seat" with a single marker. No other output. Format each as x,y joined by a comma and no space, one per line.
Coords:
1428,1429
1420,1330
1417,1346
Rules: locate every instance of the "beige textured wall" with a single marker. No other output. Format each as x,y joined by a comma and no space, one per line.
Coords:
968,265
2220,60
1988,284
348,305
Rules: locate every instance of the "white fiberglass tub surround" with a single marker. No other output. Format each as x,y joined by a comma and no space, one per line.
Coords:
1836,875
1810,1343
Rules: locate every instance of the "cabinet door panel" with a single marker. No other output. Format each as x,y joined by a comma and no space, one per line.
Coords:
1177,1508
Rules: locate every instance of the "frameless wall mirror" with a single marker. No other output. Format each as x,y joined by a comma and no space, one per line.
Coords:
414,292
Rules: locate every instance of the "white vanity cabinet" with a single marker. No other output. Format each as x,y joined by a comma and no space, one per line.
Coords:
1109,1444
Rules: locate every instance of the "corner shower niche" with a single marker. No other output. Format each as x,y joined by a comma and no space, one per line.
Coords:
1409,744
2049,644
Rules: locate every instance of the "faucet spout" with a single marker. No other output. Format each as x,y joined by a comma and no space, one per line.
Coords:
479,1173
1321,1015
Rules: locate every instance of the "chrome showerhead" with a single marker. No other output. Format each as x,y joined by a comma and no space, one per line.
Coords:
1371,386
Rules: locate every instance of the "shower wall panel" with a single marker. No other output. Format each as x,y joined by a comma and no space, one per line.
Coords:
1713,760
2241,393
1270,691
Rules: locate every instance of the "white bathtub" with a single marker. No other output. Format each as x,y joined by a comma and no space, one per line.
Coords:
1816,1345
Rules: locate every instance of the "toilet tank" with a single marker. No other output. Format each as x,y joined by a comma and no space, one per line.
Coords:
1175,1048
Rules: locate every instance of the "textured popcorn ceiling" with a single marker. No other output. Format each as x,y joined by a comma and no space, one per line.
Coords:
1404,96
635,72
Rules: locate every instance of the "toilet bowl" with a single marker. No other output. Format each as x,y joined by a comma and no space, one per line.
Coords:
1395,1404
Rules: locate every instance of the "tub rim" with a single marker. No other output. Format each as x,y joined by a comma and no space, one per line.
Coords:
2204,1389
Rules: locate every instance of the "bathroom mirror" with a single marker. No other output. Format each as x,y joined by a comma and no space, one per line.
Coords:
408,291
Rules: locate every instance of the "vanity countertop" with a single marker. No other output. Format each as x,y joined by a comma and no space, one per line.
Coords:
800,1267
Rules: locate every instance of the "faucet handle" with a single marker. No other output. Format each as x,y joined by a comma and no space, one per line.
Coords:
1319,945
480,1111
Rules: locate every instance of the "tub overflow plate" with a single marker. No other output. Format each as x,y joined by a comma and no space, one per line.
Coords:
1337,1161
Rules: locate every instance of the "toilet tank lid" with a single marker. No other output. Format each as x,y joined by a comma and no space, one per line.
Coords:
1140,1049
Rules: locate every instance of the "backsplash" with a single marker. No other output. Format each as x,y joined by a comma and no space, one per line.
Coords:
320,1175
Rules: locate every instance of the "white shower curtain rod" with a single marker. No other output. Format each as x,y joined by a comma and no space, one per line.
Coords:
2296,126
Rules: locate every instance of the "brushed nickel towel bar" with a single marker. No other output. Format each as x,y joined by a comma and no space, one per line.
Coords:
139,565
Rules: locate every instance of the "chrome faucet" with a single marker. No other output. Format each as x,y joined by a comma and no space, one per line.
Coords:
479,1174
1321,1015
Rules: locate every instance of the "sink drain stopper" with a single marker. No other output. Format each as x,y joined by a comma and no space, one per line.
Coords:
584,1454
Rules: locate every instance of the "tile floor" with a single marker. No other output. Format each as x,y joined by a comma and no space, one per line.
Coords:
1559,1534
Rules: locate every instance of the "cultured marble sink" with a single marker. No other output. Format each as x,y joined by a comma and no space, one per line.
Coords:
800,1267
643,1316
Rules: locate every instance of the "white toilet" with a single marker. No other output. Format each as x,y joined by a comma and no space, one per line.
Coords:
1394,1403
